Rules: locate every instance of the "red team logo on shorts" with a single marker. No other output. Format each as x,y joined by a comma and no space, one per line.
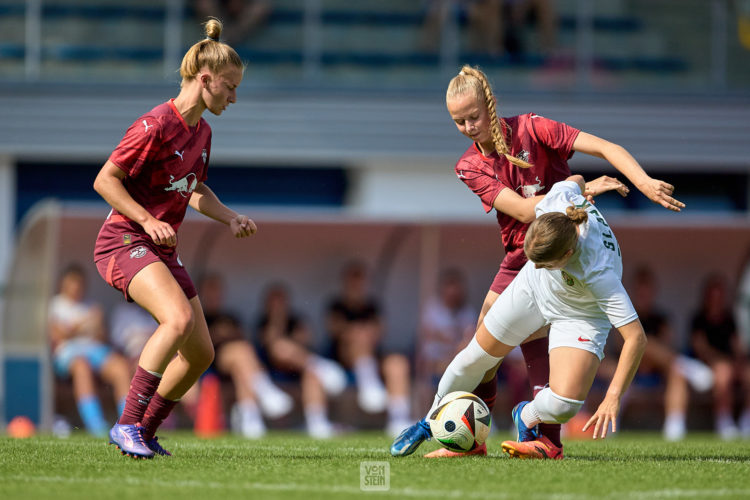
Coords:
138,252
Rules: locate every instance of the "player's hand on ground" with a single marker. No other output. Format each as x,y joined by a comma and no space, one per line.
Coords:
160,232
605,416
242,226
602,185
661,192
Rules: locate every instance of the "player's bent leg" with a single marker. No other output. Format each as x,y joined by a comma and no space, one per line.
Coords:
156,290
410,438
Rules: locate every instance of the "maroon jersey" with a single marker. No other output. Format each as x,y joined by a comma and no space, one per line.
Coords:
164,160
544,143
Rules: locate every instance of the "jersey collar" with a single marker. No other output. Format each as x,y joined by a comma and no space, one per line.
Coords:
182,120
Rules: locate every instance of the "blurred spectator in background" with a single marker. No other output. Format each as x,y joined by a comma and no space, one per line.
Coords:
236,359
715,341
484,18
130,327
356,332
494,27
287,342
742,303
517,14
662,361
78,334
241,18
446,326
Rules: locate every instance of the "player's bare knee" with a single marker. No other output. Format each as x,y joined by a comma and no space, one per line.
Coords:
555,409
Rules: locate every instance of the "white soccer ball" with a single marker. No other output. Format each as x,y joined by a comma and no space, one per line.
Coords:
460,422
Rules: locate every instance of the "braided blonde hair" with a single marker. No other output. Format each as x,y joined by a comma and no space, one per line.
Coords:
209,52
473,80
552,234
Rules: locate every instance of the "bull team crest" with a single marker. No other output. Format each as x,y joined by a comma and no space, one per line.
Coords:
184,186
530,190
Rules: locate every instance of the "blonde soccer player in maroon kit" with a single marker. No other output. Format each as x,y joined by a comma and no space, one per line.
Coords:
157,170
511,164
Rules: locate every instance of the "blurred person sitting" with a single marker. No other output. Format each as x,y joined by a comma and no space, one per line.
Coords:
493,26
661,359
484,19
714,340
287,341
130,327
446,325
356,332
78,336
243,18
236,359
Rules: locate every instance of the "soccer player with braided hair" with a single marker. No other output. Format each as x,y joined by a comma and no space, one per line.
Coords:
511,164
572,283
157,170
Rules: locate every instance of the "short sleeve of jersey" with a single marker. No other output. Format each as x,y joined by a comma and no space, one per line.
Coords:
483,185
612,298
139,147
555,135
560,197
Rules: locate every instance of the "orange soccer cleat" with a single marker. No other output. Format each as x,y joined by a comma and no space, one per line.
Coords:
446,453
541,448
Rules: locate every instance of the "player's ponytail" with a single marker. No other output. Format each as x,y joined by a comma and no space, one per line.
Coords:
552,234
210,52
473,80
577,214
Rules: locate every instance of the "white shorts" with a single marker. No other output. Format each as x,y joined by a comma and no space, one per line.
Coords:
515,315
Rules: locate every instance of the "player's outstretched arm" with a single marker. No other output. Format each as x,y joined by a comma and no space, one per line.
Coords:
630,357
654,189
205,201
108,184
511,203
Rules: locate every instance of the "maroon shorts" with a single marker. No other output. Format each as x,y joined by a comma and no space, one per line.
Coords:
503,278
119,266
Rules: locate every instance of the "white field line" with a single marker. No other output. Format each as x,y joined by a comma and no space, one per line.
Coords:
393,492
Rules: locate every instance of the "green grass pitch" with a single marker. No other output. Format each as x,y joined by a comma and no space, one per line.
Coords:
292,466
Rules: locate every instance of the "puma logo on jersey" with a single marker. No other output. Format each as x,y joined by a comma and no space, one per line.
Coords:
534,115
146,126
180,153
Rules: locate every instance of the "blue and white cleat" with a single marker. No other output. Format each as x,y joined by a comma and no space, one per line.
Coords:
153,445
410,438
129,440
524,433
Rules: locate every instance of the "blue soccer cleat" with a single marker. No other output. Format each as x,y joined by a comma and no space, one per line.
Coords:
524,433
410,438
129,440
153,445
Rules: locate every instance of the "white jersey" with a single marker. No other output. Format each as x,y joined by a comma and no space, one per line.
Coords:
590,283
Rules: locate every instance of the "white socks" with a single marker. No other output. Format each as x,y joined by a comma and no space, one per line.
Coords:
330,374
371,394
316,420
549,408
466,370
246,420
273,401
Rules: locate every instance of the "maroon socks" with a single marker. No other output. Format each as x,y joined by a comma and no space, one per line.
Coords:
142,389
158,410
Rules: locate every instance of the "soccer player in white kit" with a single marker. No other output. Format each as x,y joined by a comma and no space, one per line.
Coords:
572,282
